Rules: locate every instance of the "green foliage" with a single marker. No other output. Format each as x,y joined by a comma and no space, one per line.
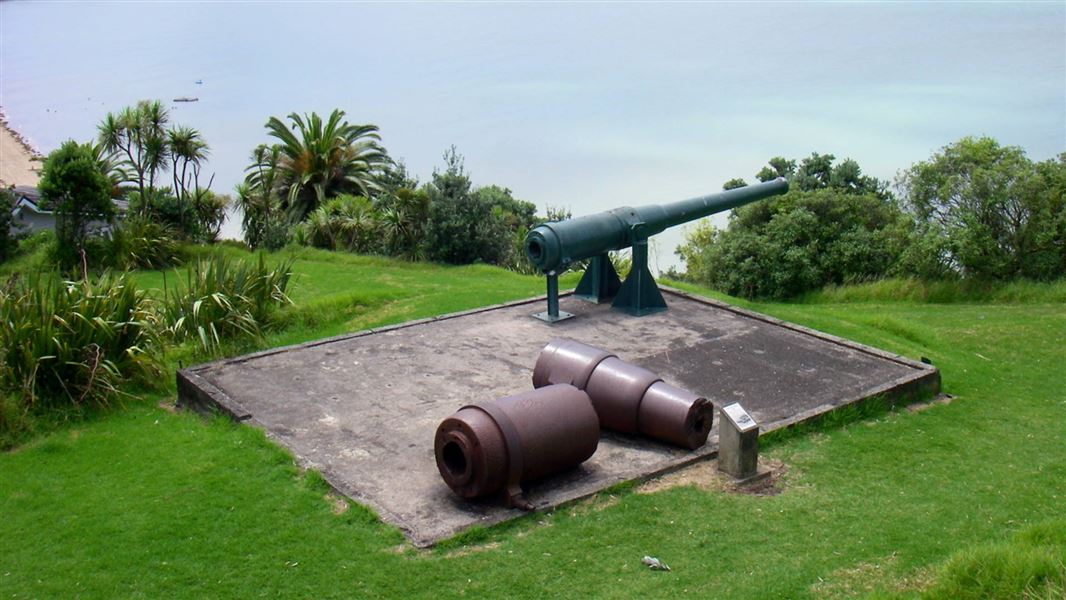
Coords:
945,291
160,498
264,221
73,344
1031,566
223,298
9,238
777,167
140,243
197,216
798,242
209,209
73,186
403,216
138,135
468,225
985,210
187,151
343,223
316,160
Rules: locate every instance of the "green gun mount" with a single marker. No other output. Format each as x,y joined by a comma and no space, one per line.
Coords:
551,247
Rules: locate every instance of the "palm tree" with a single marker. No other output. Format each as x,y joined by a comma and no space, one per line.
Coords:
113,167
321,159
187,148
137,134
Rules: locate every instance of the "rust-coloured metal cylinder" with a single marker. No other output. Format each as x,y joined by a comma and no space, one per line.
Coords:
616,389
628,398
674,415
566,361
491,447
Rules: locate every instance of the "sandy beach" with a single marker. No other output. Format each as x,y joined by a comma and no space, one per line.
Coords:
18,160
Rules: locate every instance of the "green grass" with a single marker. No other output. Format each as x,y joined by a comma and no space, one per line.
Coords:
941,292
143,502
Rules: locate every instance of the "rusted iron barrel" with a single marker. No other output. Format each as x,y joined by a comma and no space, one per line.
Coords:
492,447
628,398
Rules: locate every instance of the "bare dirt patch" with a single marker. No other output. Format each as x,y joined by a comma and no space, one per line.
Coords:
937,401
705,476
337,505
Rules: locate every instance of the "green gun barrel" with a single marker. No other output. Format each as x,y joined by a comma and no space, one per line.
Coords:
553,246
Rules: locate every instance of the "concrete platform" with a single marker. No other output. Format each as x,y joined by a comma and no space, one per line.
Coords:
363,408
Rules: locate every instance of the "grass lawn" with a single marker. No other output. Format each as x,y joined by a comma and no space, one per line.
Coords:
145,502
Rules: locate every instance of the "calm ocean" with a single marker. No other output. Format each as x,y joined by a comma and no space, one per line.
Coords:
583,106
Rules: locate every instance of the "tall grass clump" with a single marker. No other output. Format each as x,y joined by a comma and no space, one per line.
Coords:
71,343
224,298
140,243
947,291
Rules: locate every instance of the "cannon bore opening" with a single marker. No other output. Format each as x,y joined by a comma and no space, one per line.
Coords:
698,424
534,250
454,459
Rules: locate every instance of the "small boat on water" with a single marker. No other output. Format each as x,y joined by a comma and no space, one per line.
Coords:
199,82
186,99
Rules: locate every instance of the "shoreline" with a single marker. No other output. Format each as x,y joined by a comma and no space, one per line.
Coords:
21,161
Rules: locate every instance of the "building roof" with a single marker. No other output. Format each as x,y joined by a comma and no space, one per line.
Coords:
25,191
30,197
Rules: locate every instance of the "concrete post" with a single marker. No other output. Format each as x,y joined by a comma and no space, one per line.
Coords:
738,442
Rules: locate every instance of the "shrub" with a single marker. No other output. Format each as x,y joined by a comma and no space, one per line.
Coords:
984,210
223,298
467,225
73,186
263,220
797,242
67,343
140,243
197,216
8,233
343,223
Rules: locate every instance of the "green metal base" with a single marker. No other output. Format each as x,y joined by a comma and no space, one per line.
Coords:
639,295
600,282
553,314
550,318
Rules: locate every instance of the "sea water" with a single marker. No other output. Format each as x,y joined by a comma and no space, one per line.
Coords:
582,106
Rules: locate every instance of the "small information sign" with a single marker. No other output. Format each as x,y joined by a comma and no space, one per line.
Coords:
740,417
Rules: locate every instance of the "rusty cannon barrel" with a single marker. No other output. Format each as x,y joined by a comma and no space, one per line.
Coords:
551,247
490,448
627,398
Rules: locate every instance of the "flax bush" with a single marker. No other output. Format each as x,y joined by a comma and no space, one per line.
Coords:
67,343
223,298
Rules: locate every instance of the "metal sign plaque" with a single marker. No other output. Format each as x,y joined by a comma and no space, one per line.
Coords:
740,417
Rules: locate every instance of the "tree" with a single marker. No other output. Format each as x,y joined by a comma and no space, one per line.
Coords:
734,183
138,134
113,167
395,176
188,151
464,226
72,184
264,222
986,211
320,159
778,167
